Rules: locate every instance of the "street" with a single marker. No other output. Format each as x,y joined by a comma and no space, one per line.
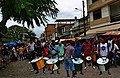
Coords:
22,69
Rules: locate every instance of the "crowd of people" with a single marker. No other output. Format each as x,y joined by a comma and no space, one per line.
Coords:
70,50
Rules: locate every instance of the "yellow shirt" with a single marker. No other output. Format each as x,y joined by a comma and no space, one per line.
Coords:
21,49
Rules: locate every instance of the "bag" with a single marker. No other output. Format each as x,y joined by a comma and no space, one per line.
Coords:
55,67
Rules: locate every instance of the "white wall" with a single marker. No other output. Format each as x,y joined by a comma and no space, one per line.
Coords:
91,16
105,11
89,2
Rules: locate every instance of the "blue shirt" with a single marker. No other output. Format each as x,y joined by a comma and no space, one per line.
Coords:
78,51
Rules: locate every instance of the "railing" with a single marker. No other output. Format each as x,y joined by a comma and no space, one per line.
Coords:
115,18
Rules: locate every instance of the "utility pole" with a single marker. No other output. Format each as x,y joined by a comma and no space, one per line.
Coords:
84,18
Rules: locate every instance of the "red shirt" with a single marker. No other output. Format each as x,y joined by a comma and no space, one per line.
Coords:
87,48
46,51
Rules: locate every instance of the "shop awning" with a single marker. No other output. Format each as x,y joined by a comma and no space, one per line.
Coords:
103,29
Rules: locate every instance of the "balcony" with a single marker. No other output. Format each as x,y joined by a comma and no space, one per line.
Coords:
98,4
115,18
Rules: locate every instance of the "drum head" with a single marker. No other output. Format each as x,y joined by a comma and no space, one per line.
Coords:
45,58
102,61
51,61
79,61
35,60
88,58
104,58
61,58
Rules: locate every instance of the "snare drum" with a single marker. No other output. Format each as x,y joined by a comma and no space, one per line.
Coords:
46,58
39,62
52,64
61,59
103,63
88,59
78,64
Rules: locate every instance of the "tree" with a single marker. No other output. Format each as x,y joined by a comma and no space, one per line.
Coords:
27,11
16,33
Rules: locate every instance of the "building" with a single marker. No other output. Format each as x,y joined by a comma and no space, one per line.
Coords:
60,29
103,15
65,28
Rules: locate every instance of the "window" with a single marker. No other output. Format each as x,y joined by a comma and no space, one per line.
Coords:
94,1
97,14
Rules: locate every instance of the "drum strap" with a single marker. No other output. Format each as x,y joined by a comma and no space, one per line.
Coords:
56,51
54,48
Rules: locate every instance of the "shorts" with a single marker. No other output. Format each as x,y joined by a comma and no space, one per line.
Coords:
69,63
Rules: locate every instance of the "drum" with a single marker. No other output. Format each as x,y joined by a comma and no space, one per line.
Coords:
103,63
35,60
88,59
78,64
46,58
39,62
61,59
52,64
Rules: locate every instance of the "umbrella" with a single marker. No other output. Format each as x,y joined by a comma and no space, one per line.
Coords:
6,44
18,42
13,43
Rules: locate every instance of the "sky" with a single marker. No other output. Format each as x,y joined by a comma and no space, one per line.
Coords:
66,10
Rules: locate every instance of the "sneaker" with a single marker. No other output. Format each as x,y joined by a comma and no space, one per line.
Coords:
85,68
58,72
43,72
52,73
109,73
93,67
29,62
74,77
36,72
68,76
32,70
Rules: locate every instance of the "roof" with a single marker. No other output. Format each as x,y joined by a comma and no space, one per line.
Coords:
65,20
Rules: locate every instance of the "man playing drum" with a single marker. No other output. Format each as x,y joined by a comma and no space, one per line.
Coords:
78,54
31,52
61,53
103,47
87,50
54,51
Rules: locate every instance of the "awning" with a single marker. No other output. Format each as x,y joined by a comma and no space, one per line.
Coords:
103,29
112,33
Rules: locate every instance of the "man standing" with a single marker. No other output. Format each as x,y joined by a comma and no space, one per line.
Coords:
87,51
54,51
68,59
104,53
31,48
78,53
61,49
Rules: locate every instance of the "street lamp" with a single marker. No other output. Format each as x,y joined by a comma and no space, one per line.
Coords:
80,11
83,4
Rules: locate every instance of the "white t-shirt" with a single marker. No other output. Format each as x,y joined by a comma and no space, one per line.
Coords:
32,46
13,49
103,49
115,47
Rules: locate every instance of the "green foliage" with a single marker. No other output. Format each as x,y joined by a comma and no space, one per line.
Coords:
28,11
16,33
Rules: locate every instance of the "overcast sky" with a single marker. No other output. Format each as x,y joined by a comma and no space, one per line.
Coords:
67,10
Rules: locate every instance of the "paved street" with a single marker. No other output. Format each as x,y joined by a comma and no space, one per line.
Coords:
21,69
